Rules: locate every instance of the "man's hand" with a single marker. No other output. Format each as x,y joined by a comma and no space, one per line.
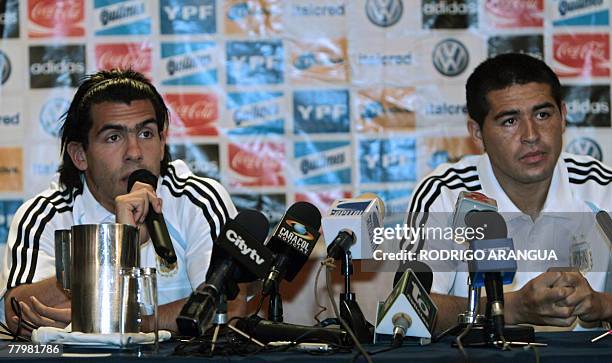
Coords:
540,302
40,314
132,208
588,304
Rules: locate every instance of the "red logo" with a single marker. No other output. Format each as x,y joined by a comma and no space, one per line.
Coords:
322,199
582,55
515,13
193,114
136,56
56,18
256,164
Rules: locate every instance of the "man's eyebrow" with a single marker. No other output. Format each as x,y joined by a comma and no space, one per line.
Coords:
506,113
543,105
516,112
123,128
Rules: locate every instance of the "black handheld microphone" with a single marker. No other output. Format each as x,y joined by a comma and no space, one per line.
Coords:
239,247
292,242
495,234
155,221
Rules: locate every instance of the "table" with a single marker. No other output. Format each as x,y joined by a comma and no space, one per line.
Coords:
562,347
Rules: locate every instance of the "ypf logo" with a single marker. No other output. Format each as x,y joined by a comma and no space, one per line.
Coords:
50,114
5,68
384,13
450,57
585,146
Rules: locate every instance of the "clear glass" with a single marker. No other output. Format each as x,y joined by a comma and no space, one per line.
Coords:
139,303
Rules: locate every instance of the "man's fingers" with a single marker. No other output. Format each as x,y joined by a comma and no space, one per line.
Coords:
556,294
548,279
569,279
59,314
560,321
34,318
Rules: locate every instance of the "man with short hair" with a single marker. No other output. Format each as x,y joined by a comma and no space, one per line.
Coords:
517,117
117,123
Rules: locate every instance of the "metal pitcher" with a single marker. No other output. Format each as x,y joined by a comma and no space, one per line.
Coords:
98,253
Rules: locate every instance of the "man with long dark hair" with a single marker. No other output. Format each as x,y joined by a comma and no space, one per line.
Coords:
117,123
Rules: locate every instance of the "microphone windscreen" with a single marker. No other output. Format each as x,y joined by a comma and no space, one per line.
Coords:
306,213
492,223
254,222
143,176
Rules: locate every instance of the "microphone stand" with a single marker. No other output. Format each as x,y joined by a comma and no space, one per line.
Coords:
478,330
220,320
275,305
349,309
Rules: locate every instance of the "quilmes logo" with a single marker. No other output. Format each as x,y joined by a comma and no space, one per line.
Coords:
585,146
239,242
121,17
384,13
50,115
582,12
450,57
5,68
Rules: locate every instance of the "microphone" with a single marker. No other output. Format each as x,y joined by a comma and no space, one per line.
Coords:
605,222
352,222
408,297
292,243
493,273
156,225
468,202
401,323
239,246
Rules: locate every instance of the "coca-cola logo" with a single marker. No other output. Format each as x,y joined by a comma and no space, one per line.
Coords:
582,55
591,49
253,164
50,13
199,110
512,8
137,61
515,13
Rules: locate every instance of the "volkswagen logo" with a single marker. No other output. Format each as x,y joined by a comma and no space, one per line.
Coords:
450,57
384,13
5,68
585,146
50,115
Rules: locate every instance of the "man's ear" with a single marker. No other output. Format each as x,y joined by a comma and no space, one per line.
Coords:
563,116
77,154
475,133
163,136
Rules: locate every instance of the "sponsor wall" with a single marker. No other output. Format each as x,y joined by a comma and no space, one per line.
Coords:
298,99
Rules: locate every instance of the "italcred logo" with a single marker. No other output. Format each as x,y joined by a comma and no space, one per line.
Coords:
5,68
585,146
50,115
450,57
384,13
